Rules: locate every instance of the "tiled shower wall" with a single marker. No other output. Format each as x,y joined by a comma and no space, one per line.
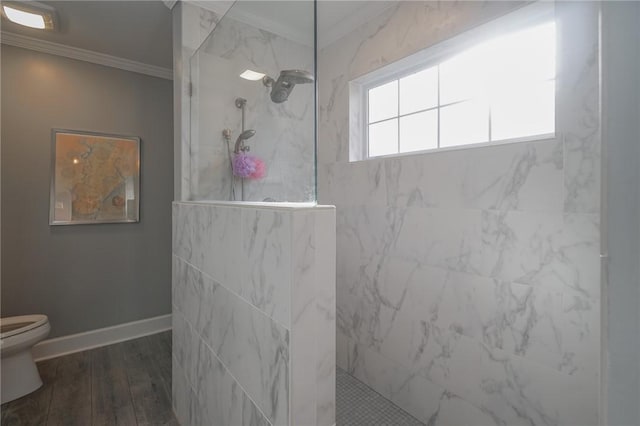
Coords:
469,280
284,132
284,136
254,314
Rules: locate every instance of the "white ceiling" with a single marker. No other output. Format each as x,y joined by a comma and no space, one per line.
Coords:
135,30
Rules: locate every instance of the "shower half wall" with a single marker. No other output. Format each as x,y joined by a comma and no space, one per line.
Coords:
254,314
253,281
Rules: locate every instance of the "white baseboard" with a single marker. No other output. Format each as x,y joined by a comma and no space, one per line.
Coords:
64,345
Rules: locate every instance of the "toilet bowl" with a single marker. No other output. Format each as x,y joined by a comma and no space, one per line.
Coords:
19,372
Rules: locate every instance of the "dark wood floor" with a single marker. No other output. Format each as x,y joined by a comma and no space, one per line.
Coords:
127,384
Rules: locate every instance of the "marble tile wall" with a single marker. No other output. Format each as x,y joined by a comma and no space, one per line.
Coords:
284,136
468,281
254,314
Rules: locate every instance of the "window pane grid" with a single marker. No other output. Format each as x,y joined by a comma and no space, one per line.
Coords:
517,99
489,118
419,111
399,95
439,106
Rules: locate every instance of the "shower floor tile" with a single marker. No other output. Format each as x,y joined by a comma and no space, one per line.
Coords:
359,405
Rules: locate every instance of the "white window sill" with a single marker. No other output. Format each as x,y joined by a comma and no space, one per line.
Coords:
536,138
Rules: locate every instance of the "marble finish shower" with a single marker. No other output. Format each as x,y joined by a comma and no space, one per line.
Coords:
468,281
280,106
253,281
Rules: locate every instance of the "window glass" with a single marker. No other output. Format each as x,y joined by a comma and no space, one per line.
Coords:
419,131
419,91
526,112
464,123
502,88
463,77
521,58
383,138
383,102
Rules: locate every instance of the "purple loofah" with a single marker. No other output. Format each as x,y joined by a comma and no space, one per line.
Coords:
248,166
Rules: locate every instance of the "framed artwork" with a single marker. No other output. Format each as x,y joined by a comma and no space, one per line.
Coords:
95,178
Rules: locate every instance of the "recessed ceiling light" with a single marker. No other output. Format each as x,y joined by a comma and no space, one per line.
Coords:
30,14
252,75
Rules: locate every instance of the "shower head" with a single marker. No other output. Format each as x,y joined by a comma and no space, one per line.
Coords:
247,134
282,87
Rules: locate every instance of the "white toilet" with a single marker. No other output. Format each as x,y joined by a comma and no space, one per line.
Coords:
17,336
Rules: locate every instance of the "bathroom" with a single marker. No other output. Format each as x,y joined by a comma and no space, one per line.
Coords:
302,238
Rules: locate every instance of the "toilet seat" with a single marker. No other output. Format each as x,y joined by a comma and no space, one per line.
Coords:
20,324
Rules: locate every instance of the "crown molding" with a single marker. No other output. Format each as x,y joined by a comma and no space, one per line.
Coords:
57,49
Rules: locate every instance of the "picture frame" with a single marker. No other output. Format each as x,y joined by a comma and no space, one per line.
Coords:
95,178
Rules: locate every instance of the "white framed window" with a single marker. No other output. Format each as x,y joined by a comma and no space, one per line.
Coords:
465,91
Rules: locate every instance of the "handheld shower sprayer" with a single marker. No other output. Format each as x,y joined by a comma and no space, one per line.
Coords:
287,80
247,134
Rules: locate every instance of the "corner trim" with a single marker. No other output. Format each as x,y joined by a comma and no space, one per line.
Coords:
59,346
170,3
57,49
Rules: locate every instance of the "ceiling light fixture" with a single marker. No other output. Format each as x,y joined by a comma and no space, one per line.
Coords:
252,75
30,14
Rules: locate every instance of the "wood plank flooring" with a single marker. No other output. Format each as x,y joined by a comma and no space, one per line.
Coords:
127,384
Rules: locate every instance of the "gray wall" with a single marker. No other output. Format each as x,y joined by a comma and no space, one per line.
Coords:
621,133
87,276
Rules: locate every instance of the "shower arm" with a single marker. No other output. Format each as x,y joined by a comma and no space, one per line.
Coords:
240,104
268,81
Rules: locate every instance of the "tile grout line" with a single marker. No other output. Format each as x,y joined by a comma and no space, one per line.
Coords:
46,419
133,403
372,391
90,360
193,330
154,361
233,292
167,386
290,363
90,354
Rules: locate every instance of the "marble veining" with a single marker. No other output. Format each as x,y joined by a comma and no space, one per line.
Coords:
578,107
469,280
214,396
253,347
253,293
284,132
325,357
267,250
